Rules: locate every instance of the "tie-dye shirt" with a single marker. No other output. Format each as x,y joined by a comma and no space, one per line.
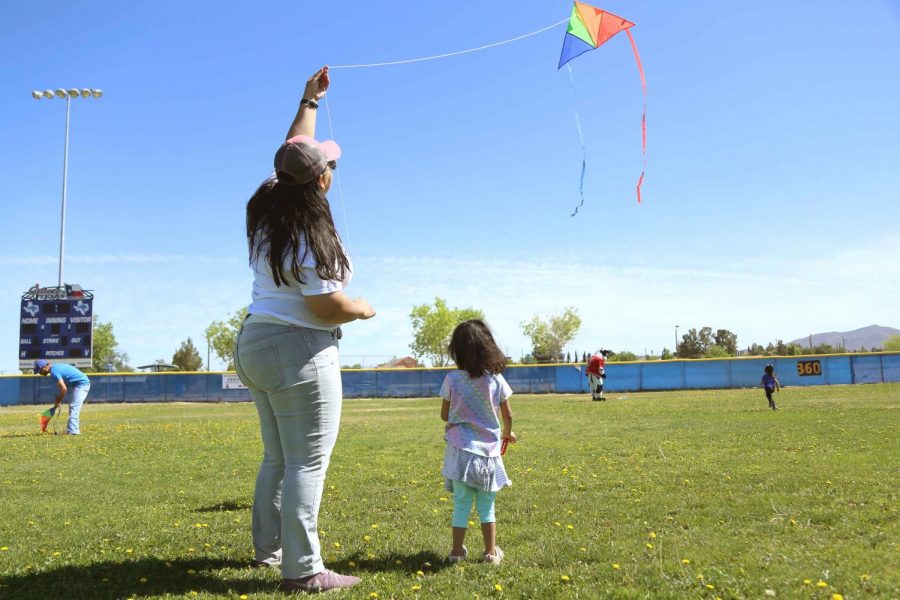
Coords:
474,423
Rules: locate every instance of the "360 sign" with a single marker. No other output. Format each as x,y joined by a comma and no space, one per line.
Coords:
806,368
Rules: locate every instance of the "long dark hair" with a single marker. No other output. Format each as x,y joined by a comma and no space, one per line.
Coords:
473,349
280,215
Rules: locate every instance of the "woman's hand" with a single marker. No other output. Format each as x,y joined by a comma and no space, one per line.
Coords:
317,85
510,436
367,311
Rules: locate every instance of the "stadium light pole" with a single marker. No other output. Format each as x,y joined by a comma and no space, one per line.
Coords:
68,95
676,340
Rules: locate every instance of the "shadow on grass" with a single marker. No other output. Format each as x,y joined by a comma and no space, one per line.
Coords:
22,435
114,579
226,506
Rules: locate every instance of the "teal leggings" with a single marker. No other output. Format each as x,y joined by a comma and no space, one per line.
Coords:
463,495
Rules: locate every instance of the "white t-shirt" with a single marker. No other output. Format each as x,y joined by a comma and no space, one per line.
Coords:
286,303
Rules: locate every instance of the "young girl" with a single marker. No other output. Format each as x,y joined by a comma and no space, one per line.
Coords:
770,384
476,399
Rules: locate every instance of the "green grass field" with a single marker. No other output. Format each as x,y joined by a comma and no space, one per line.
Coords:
697,494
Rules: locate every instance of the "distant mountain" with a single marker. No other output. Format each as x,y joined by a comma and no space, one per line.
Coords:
865,338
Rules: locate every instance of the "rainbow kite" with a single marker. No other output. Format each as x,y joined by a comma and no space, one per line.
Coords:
589,28
46,416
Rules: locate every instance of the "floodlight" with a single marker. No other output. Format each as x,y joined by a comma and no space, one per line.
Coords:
96,93
85,93
61,93
37,94
73,93
48,94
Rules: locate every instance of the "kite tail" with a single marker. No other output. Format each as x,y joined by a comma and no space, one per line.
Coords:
580,138
637,58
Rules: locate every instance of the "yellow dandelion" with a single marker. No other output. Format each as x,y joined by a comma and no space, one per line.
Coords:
498,587
416,587
685,561
837,597
351,564
56,553
243,597
793,521
143,580
807,581
649,546
821,584
710,586
564,578
443,499
193,593
616,566
865,577
366,538
652,535
420,573
4,548
337,544
191,572
373,595
570,527
374,525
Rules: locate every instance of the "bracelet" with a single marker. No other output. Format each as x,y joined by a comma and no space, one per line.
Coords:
310,103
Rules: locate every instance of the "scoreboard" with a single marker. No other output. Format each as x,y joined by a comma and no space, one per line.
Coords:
56,324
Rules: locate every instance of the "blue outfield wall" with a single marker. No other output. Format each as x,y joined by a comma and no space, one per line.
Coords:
832,369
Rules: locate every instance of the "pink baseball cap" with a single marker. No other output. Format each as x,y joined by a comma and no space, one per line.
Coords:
301,159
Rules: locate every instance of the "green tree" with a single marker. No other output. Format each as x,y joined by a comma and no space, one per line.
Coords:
187,358
727,340
221,335
623,356
892,344
716,351
432,328
549,336
666,354
690,346
106,349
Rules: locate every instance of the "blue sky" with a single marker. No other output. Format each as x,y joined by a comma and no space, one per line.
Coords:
770,199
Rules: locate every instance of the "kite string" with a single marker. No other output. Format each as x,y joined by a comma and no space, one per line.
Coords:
580,138
338,179
436,56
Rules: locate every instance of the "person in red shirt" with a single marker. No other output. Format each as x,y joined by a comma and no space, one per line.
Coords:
596,373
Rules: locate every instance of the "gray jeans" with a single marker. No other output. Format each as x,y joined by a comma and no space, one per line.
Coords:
295,381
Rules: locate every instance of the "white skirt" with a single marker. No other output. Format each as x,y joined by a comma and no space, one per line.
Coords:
485,473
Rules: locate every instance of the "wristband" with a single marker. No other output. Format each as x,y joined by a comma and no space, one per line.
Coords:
310,103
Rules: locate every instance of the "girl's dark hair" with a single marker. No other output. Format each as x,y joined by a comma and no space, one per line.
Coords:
279,216
474,350
769,369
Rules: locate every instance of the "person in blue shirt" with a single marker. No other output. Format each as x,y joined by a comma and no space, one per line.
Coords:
770,384
70,381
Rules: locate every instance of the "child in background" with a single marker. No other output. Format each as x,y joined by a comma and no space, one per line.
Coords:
770,384
476,399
